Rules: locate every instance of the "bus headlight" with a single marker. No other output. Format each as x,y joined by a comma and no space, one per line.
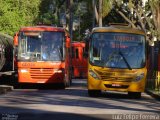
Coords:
139,77
57,71
23,70
93,74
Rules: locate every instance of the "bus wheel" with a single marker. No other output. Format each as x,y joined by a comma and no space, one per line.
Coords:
72,72
136,95
62,86
94,93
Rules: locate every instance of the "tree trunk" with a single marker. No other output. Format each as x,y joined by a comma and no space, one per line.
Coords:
96,12
94,15
158,20
127,19
71,19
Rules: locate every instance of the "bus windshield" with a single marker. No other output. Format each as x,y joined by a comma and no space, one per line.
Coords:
117,50
41,46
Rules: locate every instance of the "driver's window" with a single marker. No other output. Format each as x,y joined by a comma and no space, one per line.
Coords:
23,46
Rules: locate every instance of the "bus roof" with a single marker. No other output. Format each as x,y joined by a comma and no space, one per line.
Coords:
42,28
117,28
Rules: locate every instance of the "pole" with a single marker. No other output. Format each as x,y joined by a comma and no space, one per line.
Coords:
100,13
93,7
79,26
71,19
71,36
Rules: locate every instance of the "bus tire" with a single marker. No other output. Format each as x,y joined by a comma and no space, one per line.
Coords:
72,72
14,80
94,93
136,95
61,86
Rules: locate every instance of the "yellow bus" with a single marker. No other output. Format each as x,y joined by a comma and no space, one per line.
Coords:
117,60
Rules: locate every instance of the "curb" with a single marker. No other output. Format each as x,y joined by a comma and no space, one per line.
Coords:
5,88
153,94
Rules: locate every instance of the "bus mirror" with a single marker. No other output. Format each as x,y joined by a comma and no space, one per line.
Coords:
16,40
68,42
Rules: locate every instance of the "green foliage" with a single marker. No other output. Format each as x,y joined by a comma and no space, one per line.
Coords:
143,17
47,18
49,11
106,8
155,4
130,4
86,20
113,17
17,13
86,23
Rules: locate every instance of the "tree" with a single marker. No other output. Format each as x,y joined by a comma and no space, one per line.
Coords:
50,11
17,13
155,10
105,10
139,16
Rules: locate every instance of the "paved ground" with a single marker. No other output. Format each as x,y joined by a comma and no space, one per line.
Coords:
74,103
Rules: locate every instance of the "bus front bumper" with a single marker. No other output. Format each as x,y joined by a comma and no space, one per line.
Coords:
40,77
116,86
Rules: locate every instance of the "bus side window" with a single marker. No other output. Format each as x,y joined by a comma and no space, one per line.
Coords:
73,54
83,52
77,56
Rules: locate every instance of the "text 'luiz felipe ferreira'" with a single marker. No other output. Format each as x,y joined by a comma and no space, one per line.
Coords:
136,117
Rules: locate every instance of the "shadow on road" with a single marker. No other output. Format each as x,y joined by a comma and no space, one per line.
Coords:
45,115
77,96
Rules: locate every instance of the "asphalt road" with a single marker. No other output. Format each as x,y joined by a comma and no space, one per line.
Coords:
73,103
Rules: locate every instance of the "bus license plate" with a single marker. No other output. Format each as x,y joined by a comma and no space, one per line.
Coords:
116,85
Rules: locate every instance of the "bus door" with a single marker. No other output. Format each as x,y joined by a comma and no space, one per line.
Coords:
79,62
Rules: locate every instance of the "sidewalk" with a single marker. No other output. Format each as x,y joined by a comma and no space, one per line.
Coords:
5,88
5,81
154,93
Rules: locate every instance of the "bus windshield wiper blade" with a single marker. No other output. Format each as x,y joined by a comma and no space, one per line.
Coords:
129,67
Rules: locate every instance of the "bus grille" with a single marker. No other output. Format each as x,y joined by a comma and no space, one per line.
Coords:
115,76
41,73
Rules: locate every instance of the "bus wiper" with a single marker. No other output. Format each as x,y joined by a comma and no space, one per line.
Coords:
129,67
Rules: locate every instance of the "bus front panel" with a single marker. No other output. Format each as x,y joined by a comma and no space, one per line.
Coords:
117,61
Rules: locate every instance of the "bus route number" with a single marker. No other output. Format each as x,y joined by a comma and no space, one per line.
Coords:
28,64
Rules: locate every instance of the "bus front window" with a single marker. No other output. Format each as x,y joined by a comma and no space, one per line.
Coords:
52,46
117,50
29,47
43,46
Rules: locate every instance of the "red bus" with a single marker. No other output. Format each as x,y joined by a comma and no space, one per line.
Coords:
42,55
79,61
